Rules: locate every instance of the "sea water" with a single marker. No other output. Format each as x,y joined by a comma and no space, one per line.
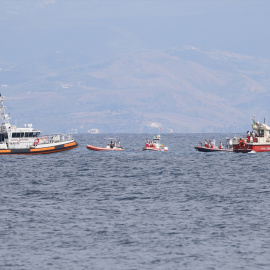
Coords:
180,209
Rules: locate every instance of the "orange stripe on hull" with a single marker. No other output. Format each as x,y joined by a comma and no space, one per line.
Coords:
47,150
50,151
42,149
5,151
70,144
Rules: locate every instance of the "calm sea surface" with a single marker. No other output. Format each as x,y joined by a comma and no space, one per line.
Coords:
180,209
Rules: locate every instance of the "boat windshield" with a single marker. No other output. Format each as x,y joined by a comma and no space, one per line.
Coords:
109,140
25,134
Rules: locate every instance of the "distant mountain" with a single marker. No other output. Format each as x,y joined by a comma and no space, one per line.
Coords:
183,89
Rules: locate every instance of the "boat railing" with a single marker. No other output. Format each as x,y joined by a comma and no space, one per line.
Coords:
54,138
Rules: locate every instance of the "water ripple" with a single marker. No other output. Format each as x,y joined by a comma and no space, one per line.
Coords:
135,210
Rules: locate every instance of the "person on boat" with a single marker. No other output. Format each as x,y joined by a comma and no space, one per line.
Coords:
253,135
242,143
248,136
205,143
146,143
220,145
111,144
210,144
118,144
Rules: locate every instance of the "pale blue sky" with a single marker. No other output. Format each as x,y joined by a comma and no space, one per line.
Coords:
45,42
35,28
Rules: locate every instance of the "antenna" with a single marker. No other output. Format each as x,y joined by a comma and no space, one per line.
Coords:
3,108
249,111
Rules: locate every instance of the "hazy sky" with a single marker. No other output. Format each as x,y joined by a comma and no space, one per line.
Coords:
41,38
98,27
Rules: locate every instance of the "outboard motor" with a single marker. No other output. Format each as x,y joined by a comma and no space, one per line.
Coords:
229,143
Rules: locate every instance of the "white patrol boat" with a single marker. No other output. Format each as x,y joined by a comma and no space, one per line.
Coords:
27,140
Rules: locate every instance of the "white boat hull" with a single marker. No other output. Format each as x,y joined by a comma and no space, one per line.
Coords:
41,149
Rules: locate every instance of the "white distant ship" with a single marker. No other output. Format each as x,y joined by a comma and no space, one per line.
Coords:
27,140
93,131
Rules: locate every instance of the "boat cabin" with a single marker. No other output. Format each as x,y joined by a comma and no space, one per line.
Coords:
156,141
13,137
260,134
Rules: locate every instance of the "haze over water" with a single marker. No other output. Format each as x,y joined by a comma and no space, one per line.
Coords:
135,210
133,66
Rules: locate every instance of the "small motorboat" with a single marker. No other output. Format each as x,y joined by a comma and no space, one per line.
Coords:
27,140
111,145
209,146
214,149
155,145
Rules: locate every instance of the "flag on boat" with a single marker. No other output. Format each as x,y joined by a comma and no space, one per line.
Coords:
255,123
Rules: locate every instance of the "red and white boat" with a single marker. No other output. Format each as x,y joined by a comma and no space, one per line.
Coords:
155,145
258,140
211,147
112,145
